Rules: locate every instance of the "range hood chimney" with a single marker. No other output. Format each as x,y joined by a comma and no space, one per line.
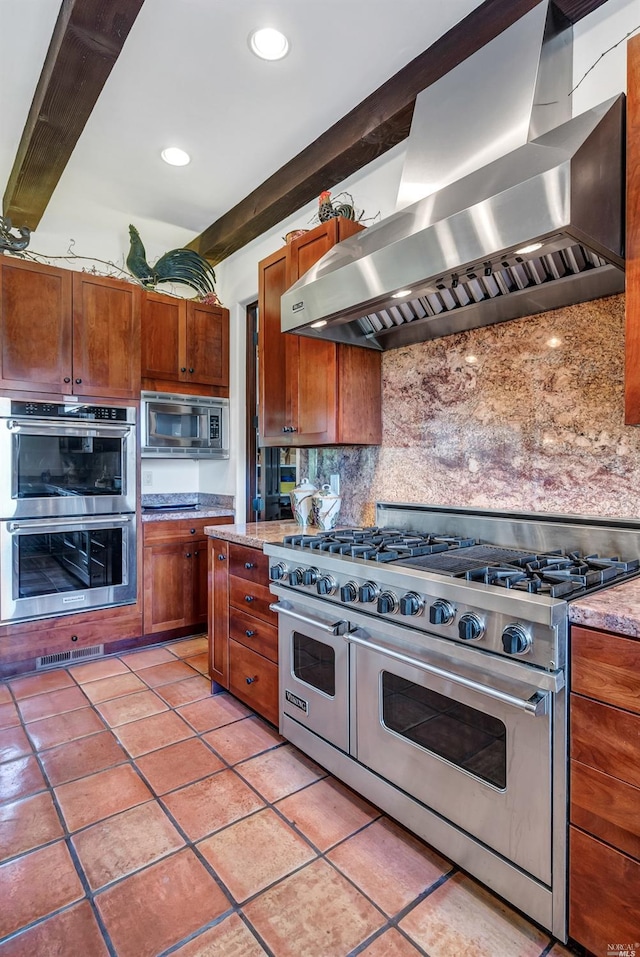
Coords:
514,207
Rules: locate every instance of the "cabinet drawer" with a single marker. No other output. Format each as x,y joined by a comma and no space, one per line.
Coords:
254,680
251,597
606,807
255,634
180,530
606,739
604,894
68,635
249,563
606,667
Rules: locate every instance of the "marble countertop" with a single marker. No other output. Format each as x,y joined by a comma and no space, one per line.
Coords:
254,534
612,609
174,514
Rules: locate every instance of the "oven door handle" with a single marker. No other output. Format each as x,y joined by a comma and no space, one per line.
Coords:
537,705
337,628
81,523
103,430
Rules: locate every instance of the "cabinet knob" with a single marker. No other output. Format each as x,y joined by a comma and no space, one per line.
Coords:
249,633
221,558
183,369
251,680
249,564
188,555
78,381
192,531
293,429
191,370
249,598
74,637
196,553
67,379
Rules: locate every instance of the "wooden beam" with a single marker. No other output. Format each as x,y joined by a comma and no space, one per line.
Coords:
86,42
577,9
379,122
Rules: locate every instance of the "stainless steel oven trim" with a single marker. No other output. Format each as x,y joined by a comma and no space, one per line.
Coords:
338,628
12,609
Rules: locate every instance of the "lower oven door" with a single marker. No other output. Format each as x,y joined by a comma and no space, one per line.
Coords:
477,751
59,566
313,659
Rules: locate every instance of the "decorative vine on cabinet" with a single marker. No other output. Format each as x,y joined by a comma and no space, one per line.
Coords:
185,346
68,332
312,392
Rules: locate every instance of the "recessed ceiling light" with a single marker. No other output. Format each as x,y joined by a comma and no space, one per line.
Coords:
401,293
268,44
319,324
175,157
531,248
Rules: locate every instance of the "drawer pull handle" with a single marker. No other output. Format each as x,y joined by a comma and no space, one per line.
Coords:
249,564
249,633
251,680
74,637
221,558
249,598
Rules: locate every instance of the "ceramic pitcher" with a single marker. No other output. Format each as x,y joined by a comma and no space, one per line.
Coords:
301,498
326,507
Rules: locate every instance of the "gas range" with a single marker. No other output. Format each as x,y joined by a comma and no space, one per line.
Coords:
495,581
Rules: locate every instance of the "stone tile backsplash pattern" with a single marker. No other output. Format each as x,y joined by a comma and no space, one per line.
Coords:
526,415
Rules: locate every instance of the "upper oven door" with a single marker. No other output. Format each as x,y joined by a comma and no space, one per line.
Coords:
60,468
476,750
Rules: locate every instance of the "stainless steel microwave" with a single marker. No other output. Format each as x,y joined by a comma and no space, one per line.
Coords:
190,426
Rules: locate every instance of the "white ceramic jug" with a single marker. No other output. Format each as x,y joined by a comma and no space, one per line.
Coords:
326,507
301,497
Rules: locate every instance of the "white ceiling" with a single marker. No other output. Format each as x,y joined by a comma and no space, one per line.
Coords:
186,78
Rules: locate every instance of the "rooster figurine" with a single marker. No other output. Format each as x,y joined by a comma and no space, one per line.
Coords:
178,265
327,209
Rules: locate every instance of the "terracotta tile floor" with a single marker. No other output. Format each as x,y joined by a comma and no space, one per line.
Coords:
140,816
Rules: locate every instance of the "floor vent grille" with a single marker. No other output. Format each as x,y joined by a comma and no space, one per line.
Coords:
47,660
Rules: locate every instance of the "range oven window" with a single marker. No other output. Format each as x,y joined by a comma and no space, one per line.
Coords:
67,561
48,466
314,662
470,739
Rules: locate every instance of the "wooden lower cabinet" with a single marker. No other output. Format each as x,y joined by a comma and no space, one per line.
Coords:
604,833
176,575
243,633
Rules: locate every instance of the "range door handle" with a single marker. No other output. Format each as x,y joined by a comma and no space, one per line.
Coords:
337,628
536,706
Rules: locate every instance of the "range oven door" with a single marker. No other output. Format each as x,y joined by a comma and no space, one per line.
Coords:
474,747
59,566
55,468
313,659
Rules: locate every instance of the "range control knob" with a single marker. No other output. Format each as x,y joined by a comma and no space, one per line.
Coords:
441,612
515,640
470,627
326,585
349,592
368,592
411,604
310,576
387,603
277,571
295,577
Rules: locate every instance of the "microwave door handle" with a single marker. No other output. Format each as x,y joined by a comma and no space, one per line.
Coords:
337,628
536,705
102,431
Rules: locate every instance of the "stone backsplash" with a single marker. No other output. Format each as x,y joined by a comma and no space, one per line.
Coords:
526,415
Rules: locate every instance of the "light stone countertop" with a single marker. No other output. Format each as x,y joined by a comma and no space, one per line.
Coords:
175,514
255,534
612,609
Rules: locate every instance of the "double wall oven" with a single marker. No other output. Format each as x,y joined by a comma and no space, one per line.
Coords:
67,507
423,661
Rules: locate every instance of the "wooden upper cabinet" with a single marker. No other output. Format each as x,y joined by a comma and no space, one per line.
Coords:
185,342
70,333
35,326
106,337
312,392
632,245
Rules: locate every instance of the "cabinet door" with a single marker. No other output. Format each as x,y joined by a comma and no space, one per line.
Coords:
199,583
219,611
35,325
274,365
207,335
106,337
163,338
167,587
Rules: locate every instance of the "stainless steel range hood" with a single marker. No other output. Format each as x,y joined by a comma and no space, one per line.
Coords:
533,229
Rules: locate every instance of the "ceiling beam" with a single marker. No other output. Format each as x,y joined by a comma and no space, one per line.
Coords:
379,122
86,42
